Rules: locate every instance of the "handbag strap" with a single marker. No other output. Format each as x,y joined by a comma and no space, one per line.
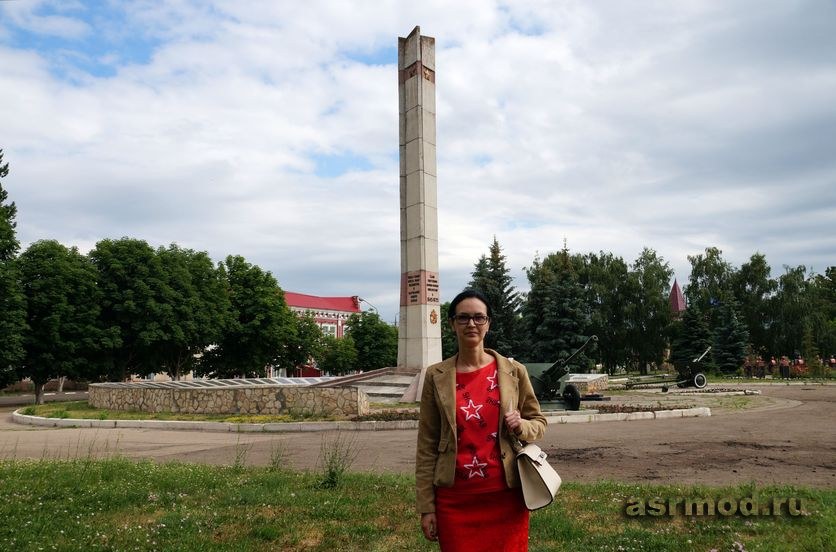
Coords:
516,444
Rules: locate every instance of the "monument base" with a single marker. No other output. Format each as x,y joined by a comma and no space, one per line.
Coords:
411,393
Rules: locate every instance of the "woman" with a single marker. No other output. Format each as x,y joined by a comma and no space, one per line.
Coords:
467,484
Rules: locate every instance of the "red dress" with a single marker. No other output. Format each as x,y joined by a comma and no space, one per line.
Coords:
479,512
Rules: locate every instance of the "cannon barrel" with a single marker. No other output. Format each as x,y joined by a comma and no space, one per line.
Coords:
702,356
564,361
547,385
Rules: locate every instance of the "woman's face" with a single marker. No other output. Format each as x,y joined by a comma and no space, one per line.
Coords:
471,334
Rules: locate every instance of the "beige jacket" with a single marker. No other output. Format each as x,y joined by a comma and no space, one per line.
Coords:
435,459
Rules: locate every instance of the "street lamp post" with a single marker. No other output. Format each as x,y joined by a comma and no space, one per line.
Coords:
369,304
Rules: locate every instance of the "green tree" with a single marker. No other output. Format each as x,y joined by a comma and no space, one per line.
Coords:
194,311
752,288
64,335
649,312
12,300
691,337
823,311
608,295
555,314
811,353
709,284
135,301
730,339
539,342
260,325
338,356
449,344
375,341
492,277
790,307
305,343
9,245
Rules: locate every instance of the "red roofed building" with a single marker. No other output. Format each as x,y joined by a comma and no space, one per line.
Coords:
331,313
677,300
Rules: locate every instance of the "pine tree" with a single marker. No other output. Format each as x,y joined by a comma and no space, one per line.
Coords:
492,277
12,300
556,316
730,339
692,337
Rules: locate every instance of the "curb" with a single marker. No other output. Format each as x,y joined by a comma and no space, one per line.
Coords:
782,382
629,417
293,427
290,427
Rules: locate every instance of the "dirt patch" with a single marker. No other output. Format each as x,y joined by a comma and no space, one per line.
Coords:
577,453
756,446
783,436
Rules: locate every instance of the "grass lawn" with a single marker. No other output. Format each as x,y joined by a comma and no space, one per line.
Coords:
118,504
82,410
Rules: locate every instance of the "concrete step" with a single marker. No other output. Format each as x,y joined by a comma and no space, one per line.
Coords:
385,399
385,389
391,398
381,389
387,381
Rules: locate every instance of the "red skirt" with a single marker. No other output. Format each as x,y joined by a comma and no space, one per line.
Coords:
467,522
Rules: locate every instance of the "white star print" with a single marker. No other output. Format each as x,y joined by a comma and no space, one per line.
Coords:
475,468
492,379
471,410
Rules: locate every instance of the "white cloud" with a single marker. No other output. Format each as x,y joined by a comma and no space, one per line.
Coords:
613,126
26,16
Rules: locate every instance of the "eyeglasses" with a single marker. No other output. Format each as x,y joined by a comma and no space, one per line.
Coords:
464,319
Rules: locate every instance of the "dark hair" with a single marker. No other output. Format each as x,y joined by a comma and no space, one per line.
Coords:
468,294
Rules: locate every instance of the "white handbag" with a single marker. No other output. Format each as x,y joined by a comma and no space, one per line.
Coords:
539,481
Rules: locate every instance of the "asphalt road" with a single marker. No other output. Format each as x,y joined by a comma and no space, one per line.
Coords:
787,440
23,400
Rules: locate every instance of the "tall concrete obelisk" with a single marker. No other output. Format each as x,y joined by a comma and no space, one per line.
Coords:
419,334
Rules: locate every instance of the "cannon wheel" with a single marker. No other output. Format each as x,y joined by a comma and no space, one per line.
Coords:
572,397
699,380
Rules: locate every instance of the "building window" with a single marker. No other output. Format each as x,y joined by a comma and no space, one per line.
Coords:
329,329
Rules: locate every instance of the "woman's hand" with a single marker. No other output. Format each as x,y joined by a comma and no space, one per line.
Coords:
513,421
428,525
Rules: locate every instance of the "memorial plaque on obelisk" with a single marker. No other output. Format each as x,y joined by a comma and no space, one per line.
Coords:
419,334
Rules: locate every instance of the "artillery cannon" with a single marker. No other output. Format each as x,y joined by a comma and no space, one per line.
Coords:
687,375
557,383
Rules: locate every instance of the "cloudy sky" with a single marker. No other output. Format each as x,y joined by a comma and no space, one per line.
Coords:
269,129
